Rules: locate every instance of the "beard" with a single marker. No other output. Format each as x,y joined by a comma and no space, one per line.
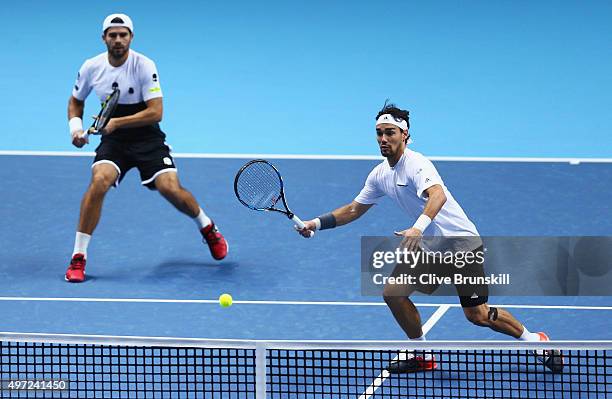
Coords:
117,52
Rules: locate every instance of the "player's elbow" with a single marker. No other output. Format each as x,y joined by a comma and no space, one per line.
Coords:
157,116
156,109
438,196
442,198
353,213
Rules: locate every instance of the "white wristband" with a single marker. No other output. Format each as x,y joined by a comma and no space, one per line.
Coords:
75,124
317,223
422,222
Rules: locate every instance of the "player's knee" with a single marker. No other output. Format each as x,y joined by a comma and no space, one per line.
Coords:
478,316
167,184
101,182
168,188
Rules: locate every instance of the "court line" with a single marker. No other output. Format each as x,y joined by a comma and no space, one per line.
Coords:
302,303
382,377
571,160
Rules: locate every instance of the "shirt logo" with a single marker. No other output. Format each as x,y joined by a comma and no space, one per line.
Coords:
427,179
155,77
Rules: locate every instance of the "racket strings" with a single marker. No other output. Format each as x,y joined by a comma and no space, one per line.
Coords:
108,109
259,186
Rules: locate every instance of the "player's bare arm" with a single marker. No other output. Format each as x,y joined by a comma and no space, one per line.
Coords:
350,212
343,215
148,116
435,201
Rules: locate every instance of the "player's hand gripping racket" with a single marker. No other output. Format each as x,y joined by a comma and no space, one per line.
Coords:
106,112
259,186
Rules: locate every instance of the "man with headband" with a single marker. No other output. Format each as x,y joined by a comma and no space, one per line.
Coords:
413,182
131,139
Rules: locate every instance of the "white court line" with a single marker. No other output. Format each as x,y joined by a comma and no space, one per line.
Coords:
302,303
573,161
382,377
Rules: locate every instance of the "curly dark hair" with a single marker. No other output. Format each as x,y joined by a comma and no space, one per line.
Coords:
394,111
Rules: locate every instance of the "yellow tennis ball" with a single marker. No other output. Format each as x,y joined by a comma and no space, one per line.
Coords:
225,300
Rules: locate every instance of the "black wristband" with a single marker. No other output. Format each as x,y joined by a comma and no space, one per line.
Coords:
328,221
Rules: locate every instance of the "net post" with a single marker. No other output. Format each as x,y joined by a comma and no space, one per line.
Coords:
260,370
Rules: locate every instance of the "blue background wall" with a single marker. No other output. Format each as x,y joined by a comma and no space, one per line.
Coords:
481,78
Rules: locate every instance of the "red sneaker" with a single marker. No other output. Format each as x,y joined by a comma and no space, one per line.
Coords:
408,362
216,243
76,270
551,359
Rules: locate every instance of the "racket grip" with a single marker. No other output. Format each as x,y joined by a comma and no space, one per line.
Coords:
300,224
87,133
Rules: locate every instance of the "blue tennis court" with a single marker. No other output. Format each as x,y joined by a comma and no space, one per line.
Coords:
150,276
146,257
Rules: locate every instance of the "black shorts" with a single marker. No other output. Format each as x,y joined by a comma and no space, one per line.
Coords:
478,294
151,156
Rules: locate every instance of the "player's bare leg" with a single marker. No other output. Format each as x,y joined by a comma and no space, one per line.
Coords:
402,308
169,187
496,319
406,315
409,319
103,177
502,321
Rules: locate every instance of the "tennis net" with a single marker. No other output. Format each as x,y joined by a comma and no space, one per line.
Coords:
141,367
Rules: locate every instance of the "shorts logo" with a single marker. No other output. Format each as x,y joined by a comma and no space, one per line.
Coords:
167,161
427,180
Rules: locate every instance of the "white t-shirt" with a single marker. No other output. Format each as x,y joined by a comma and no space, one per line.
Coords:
406,183
137,78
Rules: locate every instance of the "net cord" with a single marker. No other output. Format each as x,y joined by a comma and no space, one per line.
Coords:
303,344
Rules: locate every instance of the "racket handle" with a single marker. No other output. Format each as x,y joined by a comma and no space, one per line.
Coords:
300,224
87,133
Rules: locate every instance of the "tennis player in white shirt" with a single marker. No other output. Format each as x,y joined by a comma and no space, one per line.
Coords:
414,184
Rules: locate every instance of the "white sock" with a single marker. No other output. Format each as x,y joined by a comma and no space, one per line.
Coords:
202,220
529,336
404,355
81,242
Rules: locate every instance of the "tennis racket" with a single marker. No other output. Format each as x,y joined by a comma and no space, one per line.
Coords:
259,186
106,112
